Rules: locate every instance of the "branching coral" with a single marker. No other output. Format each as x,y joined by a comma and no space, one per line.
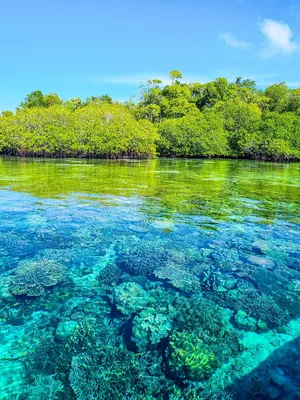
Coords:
112,374
85,378
33,277
189,358
91,335
162,299
116,373
179,278
48,357
255,303
294,286
80,307
83,338
262,307
142,257
109,276
210,322
45,387
155,321
226,258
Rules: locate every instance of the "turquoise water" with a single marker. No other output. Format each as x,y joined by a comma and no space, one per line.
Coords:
163,279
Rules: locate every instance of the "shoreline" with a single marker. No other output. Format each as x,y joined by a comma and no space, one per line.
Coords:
146,158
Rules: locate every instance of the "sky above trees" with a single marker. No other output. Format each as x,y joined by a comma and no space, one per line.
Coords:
97,47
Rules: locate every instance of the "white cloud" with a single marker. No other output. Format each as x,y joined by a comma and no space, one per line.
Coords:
293,84
233,41
122,79
135,79
278,37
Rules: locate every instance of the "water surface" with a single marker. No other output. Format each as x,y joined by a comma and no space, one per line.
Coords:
162,279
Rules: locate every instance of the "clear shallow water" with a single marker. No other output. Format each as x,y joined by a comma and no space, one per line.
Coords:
168,279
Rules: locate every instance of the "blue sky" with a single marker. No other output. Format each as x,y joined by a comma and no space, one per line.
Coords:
83,48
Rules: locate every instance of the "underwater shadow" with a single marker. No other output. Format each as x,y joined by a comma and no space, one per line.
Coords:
278,377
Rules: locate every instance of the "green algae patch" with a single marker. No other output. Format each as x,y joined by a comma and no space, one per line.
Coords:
190,358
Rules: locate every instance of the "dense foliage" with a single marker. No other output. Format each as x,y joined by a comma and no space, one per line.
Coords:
90,131
215,119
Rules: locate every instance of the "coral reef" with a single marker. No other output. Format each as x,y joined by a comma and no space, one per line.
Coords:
113,373
48,357
263,307
109,276
164,297
65,329
45,387
150,327
130,297
196,312
33,277
189,358
179,278
82,338
294,286
140,258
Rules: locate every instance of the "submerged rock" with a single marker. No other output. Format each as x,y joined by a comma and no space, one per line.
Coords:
5,293
244,321
262,325
260,260
277,376
138,228
65,329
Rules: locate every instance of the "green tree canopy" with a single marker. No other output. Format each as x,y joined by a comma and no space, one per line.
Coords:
195,119
278,97
99,99
108,130
175,75
192,136
52,99
34,99
240,120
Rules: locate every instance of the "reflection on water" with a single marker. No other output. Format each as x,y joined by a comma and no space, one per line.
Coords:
164,279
